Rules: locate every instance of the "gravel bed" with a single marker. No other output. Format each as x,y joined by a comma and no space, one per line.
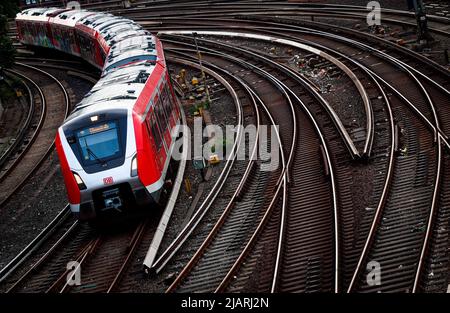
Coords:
336,87
222,112
40,200
394,32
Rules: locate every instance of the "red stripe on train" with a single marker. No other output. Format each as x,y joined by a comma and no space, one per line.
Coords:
73,192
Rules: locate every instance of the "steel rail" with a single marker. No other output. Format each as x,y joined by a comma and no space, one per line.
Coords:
231,202
37,242
290,27
159,234
431,106
340,38
431,219
275,81
367,47
87,251
35,133
204,207
69,70
136,240
337,273
265,7
283,185
44,257
20,135
334,117
384,194
282,179
50,148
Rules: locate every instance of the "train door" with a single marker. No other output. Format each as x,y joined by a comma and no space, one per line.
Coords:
42,35
57,36
74,49
87,48
156,140
162,121
168,106
173,99
49,35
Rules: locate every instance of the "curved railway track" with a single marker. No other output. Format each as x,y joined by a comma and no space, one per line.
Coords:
55,108
343,200
104,252
204,283
426,218
247,204
21,119
232,168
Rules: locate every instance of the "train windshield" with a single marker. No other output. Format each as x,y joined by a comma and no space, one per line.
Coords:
99,142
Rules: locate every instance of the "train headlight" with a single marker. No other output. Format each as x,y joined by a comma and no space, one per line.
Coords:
79,181
134,170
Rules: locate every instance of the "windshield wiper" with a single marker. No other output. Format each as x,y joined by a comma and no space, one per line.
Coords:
102,162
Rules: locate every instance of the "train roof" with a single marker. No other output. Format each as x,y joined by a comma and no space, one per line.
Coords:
145,42
125,94
130,61
126,75
128,57
89,20
36,14
99,107
117,28
117,89
105,18
129,66
114,37
70,18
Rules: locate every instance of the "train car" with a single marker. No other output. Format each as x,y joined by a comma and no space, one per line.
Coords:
133,49
90,47
33,27
115,147
63,30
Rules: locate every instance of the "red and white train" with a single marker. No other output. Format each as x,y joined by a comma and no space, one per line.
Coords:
115,147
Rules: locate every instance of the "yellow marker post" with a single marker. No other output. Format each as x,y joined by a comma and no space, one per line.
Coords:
187,184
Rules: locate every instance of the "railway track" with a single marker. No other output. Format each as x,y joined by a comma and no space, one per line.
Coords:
437,25
281,114
51,95
104,252
231,174
103,259
383,82
203,282
20,116
245,207
305,226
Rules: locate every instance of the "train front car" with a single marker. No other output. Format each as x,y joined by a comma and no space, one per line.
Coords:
114,149
98,154
111,159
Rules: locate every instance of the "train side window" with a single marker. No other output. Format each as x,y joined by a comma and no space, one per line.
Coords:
167,103
162,119
151,124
